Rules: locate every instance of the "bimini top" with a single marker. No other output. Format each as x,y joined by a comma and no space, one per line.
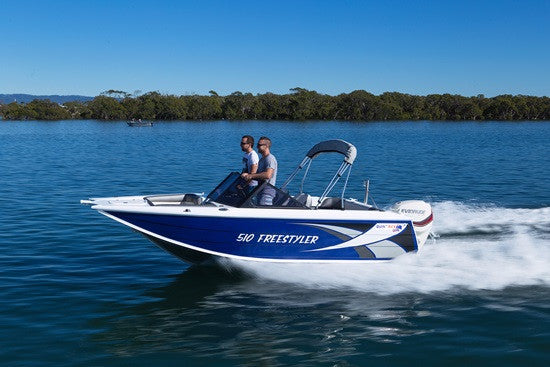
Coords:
338,146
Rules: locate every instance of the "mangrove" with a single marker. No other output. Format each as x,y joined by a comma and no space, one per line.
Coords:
299,104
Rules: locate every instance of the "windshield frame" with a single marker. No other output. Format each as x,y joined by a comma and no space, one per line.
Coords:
227,193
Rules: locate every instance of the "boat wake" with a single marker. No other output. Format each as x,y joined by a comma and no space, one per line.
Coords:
457,219
478,247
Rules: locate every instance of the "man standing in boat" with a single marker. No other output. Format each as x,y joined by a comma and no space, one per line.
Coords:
250,158
267,171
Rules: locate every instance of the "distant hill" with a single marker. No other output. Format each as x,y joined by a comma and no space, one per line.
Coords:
26,98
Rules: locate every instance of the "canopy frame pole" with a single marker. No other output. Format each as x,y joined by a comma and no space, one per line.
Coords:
345,185
333,182
305,175
367,184
293,174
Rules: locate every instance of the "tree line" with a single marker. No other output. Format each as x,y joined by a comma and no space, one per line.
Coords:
299,104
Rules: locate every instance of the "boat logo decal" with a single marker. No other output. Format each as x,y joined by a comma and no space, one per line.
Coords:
392,227
378,233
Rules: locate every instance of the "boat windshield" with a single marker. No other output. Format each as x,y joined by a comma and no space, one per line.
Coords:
234,191
231,191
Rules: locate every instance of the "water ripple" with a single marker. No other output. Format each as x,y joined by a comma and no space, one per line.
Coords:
79,289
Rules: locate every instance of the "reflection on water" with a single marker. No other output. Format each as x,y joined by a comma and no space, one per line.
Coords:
212,314
208,312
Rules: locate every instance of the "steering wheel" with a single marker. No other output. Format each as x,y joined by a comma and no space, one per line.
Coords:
241,192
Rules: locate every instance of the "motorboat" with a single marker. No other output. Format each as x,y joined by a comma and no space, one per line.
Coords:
231,223
139,123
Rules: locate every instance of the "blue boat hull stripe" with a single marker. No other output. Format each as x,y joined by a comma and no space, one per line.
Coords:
262,240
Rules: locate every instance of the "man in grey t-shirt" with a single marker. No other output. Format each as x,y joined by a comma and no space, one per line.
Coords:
267,171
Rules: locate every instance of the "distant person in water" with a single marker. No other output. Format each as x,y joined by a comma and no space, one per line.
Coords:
267,171
250,158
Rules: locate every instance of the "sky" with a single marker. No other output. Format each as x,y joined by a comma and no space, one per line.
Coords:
191,47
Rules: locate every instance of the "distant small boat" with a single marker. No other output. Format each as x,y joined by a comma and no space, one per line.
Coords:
139,123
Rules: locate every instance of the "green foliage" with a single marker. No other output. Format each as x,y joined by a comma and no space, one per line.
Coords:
16,111
35,110
116,93
299,104
106,108
78,110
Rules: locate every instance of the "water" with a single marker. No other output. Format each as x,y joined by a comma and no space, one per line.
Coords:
79,289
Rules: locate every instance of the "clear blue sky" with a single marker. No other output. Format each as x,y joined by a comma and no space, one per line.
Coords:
184,47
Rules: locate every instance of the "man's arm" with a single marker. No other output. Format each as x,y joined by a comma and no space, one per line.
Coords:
253,169
259,176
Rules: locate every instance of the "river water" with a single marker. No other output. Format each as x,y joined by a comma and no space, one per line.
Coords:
79,289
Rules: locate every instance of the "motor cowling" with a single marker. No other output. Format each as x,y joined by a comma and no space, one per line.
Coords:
419,211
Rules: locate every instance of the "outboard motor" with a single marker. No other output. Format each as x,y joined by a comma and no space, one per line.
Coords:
420,212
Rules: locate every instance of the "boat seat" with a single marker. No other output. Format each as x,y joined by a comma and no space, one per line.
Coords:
336,203
304,199
191,199
331,203
177,199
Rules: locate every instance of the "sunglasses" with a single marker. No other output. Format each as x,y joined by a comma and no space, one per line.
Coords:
244,143
260,145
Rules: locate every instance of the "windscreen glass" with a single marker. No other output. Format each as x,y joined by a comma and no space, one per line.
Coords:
233,191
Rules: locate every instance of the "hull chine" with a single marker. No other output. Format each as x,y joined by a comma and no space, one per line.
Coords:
183,253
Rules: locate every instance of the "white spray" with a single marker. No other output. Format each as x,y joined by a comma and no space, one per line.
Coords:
479,247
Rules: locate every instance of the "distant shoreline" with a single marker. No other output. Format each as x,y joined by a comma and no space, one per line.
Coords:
300,105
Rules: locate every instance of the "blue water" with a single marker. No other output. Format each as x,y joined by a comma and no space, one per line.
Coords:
79,289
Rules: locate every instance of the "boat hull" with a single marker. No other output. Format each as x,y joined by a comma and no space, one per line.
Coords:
197,239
